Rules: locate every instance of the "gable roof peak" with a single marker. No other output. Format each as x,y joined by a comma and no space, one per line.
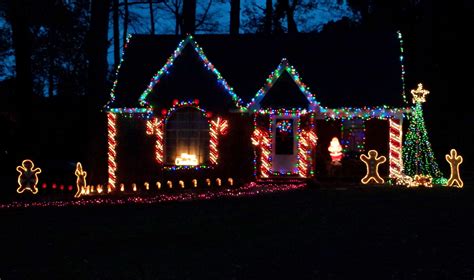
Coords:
284,66
164,70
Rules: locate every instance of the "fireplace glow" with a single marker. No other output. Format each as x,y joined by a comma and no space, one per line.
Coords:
186,159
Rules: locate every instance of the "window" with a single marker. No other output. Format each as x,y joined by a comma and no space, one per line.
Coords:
187,132
353,136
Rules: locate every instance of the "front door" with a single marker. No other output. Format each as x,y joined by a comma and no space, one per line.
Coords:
284,146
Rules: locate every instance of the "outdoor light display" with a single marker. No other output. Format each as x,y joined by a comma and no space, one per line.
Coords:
353,135
186,159
402,65
284,126
28,178
307,144
156,127
454,161
365,113
284,120
112,145
419,95
189,40
411,162
81,182
395,144
218,127
112,91
248,190
261,139
418,157
143,113
254,104
422,180
335,151
372,162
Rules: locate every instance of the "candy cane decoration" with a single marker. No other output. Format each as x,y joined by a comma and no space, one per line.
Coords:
218,127
395,159
156,127
112,143
307,142
260,138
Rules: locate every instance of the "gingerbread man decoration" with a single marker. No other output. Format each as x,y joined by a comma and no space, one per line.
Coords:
81,179
372,163
28,178
454,161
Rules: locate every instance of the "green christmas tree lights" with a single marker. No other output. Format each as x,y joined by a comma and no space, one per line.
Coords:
418,157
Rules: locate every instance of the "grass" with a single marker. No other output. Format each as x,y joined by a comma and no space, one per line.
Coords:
305,234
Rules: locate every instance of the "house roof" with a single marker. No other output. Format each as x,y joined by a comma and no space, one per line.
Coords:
341,69
285,89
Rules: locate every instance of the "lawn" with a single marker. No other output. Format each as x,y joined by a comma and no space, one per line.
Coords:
301,234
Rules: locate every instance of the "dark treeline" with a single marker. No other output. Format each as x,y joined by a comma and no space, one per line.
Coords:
51,99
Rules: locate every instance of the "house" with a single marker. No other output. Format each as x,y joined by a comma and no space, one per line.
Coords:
253,106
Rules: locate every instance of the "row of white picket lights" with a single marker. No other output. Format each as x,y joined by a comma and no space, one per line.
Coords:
90,189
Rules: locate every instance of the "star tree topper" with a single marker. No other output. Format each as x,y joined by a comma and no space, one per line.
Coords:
419,94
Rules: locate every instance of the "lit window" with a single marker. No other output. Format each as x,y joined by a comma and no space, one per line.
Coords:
187,133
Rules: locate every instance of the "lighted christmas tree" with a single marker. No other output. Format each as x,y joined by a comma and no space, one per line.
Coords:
418,157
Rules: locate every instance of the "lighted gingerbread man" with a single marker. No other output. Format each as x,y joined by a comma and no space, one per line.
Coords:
81,179
372,163
28,178
454,161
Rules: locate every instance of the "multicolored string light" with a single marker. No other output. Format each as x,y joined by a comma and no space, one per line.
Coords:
250,189
143,113
293,112
187,167
191,104
114,86
353,135
418,157
382,112
402,65
217,127
254,104
284,126
189,40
